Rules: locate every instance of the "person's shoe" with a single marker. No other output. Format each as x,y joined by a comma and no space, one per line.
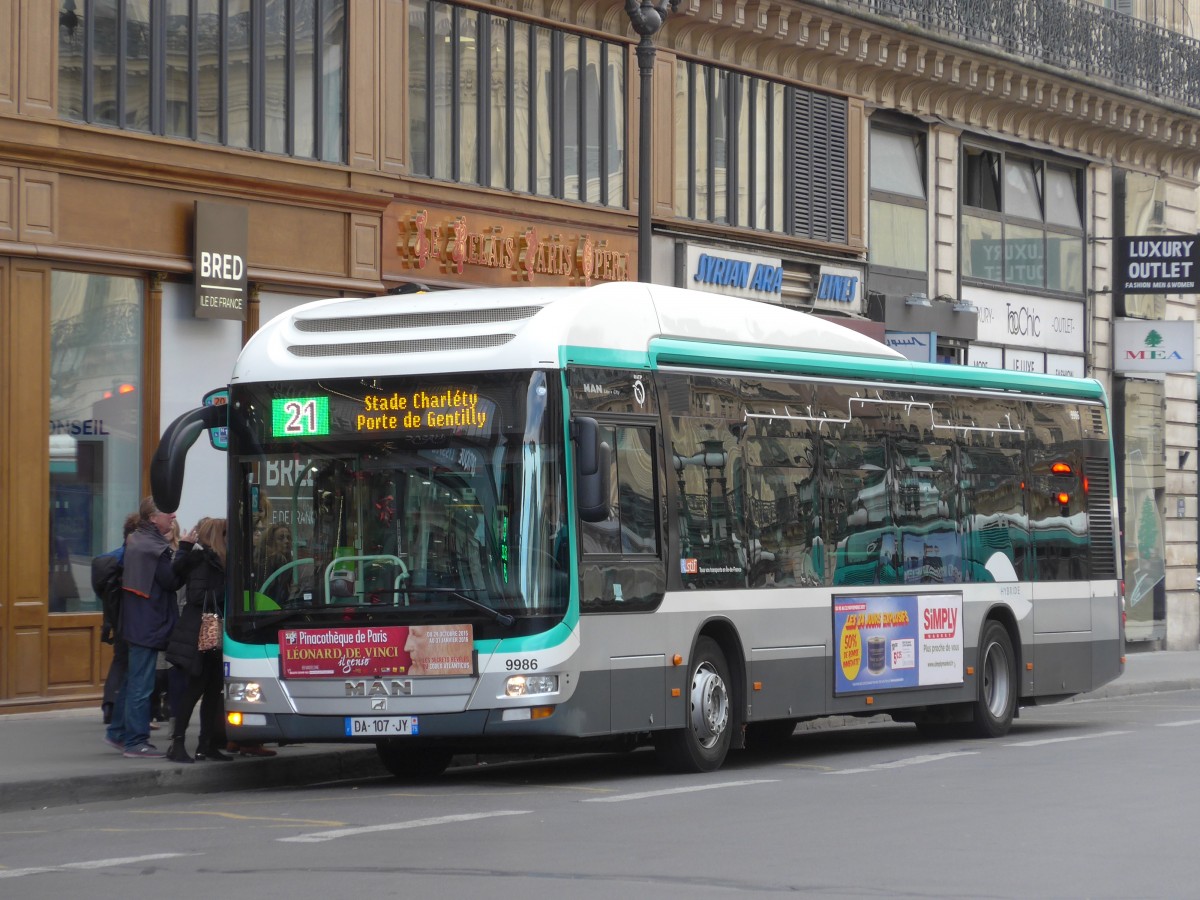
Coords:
212,755
177,752
116,745
144,751
250,750
154,726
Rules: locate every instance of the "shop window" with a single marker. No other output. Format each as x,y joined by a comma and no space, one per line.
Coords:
1141,202
263,75
549,106
898,205
1022,221
1139,429
95,425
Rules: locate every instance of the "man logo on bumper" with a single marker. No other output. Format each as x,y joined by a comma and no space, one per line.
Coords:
379,689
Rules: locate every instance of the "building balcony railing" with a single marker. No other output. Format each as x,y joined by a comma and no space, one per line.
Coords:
1083,39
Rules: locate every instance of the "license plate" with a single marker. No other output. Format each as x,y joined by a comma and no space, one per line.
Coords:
380,726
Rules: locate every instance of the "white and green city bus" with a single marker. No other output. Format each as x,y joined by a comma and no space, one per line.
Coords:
528,518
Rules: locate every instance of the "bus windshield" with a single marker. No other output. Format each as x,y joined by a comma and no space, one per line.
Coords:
397,501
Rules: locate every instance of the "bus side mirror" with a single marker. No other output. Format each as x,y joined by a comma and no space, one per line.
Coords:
591,470
166,468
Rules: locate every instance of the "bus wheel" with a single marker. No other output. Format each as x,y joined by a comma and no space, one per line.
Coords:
412,763
996,698
702,744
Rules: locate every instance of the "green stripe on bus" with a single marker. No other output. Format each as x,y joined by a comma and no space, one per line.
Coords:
668,351
602,357
555,637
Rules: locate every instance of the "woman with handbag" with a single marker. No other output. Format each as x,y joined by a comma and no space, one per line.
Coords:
195,644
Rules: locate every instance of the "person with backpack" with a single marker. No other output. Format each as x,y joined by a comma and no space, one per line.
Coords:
107,569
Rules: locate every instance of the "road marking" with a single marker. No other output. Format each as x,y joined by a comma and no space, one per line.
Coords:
902,763
318,836
1178,724
813,766
1063,740
283,820
91,864
620,798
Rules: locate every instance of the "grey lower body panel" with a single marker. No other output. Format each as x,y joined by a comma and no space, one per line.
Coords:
586,714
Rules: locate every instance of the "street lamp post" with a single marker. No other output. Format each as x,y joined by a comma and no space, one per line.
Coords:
647,17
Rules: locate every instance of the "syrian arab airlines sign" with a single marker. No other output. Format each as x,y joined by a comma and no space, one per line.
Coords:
1145,345
1158,265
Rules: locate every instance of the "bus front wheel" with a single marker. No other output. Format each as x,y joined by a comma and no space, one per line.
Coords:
702,744
410,763
996,694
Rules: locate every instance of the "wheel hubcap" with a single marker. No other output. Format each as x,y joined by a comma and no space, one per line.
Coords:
995,681
710,705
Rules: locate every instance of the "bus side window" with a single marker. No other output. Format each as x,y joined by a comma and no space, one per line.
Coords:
634,476
603,535
631,525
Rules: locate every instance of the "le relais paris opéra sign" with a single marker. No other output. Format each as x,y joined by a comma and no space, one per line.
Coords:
442,244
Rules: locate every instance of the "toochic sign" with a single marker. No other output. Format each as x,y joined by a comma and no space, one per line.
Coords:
1013,320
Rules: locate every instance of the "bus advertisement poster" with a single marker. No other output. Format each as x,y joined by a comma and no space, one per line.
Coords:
895,641
377,651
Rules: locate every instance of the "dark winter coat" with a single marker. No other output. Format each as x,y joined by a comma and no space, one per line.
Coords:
148,606
203,578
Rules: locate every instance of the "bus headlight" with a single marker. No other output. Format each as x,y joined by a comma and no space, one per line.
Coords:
529,685
244,691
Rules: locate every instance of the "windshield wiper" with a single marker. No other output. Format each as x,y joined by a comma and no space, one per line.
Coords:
457,594
283,616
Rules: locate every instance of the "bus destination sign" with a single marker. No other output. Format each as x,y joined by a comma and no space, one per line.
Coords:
382,413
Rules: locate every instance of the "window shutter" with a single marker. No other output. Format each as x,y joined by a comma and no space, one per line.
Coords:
819,145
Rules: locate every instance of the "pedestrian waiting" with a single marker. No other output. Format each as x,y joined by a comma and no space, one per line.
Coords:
201,564
149,612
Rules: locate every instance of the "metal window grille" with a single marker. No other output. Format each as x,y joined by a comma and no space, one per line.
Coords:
97,38
809,157
566,79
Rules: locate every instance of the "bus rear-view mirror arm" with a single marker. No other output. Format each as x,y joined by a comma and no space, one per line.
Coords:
591,473
166,468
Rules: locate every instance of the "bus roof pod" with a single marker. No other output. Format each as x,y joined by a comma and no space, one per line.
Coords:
529,327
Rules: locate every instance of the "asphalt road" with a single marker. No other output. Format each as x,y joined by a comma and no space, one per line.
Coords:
1092,799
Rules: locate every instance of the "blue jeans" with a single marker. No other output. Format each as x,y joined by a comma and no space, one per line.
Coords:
131,709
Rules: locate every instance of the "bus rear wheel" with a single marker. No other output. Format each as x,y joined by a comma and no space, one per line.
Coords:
996,694
702,744
413,764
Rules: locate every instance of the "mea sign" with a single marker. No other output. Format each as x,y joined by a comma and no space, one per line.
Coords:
220,261
1141,345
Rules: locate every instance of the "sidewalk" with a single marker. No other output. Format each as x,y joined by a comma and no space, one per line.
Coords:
58,758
